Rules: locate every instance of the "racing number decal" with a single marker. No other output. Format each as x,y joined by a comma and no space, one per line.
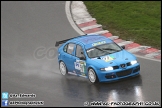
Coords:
107,58
81,66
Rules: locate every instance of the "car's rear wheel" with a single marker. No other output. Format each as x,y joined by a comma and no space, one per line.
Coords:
63,68
92,76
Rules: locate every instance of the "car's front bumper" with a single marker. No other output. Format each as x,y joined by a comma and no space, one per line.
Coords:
108,76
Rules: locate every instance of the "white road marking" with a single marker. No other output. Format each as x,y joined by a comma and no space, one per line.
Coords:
84,20
100,32
147,58
151,55
113,37
91,27
81,16
69,17
124,43
133,50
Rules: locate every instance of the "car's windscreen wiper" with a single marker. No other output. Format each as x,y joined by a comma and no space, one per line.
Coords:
100,49
98,57
111,49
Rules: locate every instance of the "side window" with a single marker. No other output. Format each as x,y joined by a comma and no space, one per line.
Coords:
79,51
70,48
65,48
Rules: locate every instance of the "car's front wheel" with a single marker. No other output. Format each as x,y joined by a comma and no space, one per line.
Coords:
92,76
63,68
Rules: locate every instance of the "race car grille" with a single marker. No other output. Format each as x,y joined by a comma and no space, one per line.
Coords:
115,67
124,73
128,64
122,65
110,76
137,69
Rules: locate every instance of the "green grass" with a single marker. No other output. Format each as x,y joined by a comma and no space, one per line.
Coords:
138,21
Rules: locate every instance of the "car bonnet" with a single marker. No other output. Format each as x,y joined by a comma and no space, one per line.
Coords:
115,59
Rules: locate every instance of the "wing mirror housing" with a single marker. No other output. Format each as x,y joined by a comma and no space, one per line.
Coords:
82,57
123,47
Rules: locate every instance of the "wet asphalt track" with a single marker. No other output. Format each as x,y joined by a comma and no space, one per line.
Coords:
26,27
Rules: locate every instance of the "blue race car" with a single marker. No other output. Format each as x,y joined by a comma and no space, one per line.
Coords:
97,58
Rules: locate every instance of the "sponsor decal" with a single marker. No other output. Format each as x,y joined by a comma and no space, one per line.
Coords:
81,66
108,58
98,43
90,50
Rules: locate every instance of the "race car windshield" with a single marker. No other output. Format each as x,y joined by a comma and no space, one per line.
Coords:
102,50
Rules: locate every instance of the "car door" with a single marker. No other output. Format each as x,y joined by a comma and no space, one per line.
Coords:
79,61
68,55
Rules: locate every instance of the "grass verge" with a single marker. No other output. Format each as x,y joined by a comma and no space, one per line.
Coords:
138,21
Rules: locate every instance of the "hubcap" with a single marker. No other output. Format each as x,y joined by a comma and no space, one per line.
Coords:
62,68
92,76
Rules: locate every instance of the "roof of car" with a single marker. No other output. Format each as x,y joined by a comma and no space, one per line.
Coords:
92,40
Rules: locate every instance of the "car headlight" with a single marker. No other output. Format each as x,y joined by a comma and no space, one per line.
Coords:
107,69
133,62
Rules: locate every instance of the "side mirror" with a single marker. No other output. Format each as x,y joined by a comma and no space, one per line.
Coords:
123,47
82,58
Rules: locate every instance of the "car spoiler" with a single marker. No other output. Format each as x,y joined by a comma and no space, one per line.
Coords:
63,41
60,42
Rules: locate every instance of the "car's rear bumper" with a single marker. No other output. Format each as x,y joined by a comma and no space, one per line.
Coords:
108,76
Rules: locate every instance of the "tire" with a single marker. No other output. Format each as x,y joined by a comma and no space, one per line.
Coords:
63,68
92,76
